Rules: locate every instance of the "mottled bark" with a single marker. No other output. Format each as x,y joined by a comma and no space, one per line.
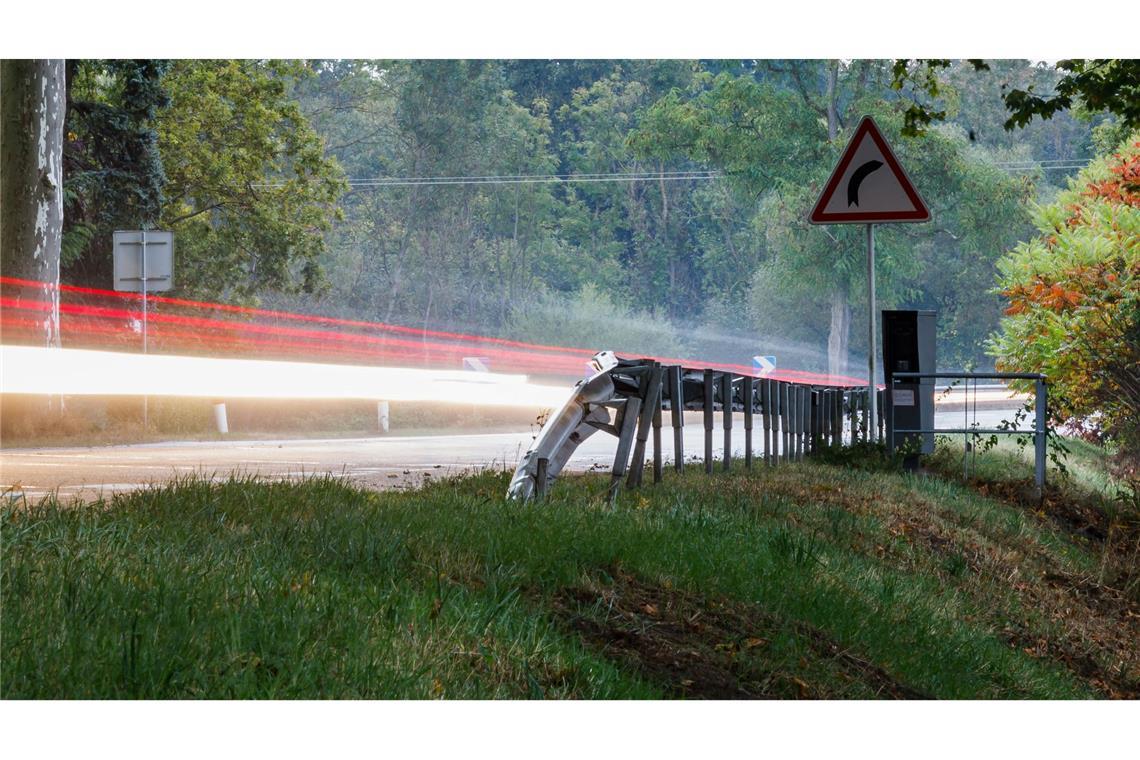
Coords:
32,109
839,333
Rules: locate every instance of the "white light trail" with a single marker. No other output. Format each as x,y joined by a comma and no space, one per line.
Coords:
79,372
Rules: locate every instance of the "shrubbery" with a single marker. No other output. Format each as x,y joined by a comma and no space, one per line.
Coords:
1074,301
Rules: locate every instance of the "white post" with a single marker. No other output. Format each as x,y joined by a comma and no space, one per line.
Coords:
382,415
220,418
873,428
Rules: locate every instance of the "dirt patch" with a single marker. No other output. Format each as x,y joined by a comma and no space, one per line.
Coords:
1079,519
708,649
1089,628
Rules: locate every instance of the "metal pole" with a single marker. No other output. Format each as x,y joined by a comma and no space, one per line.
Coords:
1039,463
726,409
708,419
873,427
146,399
677,412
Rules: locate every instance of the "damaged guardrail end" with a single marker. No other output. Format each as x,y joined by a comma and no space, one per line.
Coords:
580,417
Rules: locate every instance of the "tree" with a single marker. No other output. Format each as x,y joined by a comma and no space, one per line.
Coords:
31,177
1074,299
1111,85
113,172
217,151
249,191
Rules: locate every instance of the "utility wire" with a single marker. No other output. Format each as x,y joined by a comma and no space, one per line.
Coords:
671,176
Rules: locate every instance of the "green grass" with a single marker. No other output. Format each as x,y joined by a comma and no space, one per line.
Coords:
803,580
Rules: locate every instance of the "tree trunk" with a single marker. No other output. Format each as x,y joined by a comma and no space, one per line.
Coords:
832,100
32,108
840,332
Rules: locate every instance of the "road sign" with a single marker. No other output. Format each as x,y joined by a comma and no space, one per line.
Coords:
868,185
764,365
130,268
476,364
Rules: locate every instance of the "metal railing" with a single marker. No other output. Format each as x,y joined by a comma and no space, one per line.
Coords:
1039,432
633,399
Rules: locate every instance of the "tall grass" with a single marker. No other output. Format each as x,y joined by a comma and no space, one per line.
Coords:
249,589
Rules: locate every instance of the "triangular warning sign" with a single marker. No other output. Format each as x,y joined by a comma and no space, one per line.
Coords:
868,185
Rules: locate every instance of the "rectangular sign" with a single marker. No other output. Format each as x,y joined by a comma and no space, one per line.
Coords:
128,264
903,397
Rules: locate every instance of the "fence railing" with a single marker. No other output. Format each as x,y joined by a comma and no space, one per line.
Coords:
971,432
790,420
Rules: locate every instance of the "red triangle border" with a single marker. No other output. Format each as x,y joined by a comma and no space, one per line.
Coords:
920,213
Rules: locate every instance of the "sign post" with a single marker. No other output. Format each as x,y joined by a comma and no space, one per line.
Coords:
869,195
143,262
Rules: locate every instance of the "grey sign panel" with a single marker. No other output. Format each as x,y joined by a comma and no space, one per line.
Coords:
128,251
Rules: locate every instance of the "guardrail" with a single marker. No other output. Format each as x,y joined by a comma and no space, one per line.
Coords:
793,419
1039,432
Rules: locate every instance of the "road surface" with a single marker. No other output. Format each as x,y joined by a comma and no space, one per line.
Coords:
378,462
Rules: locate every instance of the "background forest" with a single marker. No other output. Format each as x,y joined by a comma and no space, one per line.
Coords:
647,206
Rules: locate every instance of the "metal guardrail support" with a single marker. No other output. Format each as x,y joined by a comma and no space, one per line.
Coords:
1040,427
748,401
708,419
726,415
626,398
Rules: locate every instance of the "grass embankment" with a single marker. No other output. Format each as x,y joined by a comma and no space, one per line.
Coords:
806,580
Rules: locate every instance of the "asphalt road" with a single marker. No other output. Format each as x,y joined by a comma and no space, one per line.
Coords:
391,461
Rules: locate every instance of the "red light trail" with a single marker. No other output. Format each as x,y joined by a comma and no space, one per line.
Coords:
102,326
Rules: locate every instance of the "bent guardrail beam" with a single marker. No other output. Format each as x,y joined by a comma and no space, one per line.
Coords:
796,419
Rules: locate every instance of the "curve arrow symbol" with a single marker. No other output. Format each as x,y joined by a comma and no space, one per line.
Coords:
857,178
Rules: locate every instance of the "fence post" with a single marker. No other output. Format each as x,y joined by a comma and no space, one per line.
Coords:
766,411
708,417
726,415
657,436
797,409
626,430
1040,436
748,395
786,397
650,390
540,477
677,412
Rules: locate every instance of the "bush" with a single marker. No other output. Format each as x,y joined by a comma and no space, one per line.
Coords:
1074,301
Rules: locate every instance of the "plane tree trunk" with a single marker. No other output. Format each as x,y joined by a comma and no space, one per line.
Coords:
32,109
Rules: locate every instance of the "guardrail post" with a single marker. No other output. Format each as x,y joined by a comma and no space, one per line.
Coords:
540,477
837,417
748,396
221,420
815,408
766,412
880,395
657,433
650,389
726,415
625,442
708,417
1040,440
786,398
798,421
677,413
851,416
382,416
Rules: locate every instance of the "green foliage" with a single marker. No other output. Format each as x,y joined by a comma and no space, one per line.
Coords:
113,172
1111,85
249,192
1074,299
